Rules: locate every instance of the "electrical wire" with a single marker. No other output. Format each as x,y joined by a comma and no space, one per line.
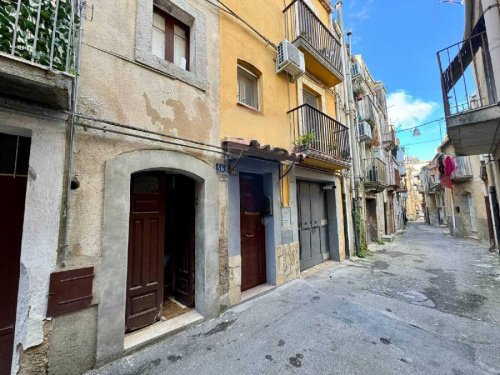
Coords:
419,126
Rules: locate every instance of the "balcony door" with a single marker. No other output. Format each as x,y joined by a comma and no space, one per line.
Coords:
310,98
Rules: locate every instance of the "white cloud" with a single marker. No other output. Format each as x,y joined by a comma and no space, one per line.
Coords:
407,111
361,13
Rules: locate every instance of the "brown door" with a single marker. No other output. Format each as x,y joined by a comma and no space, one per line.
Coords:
253,250
12,197
145,250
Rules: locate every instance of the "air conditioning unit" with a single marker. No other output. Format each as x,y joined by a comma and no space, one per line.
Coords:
365,131
290,60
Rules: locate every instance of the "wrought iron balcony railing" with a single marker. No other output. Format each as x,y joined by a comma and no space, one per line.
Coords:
463,170
315,131
303,25
458,72
40,31
375,172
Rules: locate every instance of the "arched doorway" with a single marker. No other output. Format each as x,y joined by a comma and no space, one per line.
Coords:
161,248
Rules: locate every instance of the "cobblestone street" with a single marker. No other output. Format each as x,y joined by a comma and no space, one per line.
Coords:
424,304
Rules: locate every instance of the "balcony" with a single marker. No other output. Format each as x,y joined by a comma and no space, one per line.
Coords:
389,138
37,53
323,140
471,110
463,171
375,175
321,48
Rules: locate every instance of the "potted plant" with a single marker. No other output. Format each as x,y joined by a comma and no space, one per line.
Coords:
358,93
304,141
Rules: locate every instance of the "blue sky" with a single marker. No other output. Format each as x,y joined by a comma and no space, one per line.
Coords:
399,39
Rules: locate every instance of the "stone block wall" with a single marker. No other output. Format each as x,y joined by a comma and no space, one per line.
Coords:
287,263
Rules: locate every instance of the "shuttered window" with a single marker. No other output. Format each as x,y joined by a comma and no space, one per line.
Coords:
170,39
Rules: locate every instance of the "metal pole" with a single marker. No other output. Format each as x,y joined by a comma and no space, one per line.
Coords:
66,216
354,175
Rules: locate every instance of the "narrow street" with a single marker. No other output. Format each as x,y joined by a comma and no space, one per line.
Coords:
425,304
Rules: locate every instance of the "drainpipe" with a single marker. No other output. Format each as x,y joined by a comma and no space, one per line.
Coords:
351,124
487,186
492,22
69,167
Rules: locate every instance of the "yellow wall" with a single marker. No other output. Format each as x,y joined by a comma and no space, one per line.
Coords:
270,125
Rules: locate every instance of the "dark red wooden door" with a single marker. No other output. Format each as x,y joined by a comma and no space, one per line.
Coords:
14,164
253,249
145,251
12,197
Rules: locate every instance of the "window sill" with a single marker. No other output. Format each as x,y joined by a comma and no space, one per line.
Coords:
251,109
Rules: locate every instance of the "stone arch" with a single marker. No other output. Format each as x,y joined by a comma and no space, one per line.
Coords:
112,274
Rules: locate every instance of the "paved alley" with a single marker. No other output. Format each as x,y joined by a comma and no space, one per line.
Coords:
424,304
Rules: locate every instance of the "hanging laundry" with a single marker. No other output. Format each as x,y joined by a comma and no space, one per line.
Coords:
449,165
441,164
445,182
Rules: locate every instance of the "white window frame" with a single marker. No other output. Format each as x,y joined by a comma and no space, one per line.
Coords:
257,88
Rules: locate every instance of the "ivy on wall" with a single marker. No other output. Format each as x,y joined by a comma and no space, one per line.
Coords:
45,12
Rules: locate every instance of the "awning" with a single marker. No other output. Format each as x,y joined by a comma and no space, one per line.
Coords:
241,147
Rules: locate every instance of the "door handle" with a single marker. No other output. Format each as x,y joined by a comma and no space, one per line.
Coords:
249,235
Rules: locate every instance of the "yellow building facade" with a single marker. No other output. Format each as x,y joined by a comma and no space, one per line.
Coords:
284,211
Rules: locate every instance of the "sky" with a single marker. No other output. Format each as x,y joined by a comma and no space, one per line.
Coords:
398,40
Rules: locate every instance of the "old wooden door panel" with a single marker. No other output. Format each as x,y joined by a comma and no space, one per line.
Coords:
146,246
185,246
13,194
253,255
313,229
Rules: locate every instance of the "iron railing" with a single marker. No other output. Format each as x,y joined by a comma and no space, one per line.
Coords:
313,130
301,23
40,31
375,171
463,170
460,93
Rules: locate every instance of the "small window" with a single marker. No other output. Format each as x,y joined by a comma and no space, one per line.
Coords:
170,39
310,98
248,87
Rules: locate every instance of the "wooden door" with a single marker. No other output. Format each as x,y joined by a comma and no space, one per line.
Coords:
145,251
14,162
253,249
184,240
313,224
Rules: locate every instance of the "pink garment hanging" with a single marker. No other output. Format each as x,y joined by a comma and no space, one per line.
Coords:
445,182
449,165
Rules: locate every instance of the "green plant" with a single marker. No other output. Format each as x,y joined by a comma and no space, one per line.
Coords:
305,139
358,91
370,121
362,250
27,32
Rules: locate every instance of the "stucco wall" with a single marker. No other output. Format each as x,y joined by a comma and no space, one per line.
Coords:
41,223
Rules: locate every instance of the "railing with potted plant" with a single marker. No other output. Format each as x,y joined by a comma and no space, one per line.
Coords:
40,31
302,23
315,131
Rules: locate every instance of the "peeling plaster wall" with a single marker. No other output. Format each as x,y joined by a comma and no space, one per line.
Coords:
115,86
41,224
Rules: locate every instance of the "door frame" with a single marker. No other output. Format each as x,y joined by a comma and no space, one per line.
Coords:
270,173
112,276
42,216
334,209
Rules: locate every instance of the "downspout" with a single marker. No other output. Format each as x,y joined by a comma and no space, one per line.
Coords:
354,176
487,186
69,167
